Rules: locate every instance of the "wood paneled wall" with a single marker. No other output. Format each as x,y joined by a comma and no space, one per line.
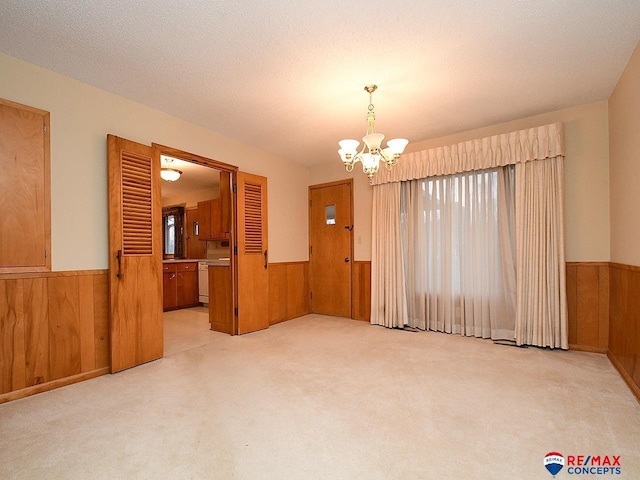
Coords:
587,297
588,306
54,326
53,330
288,291
361,290
624,326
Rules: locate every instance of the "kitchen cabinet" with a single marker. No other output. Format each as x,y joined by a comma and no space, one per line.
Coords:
194,248
215,215
169,286
211,225
187,287
220,299
180,285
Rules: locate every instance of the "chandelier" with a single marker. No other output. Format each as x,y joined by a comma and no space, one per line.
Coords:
167,172
372,141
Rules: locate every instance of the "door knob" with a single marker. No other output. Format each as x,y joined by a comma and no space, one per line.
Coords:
346,260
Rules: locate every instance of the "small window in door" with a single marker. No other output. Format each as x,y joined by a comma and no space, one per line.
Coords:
330,214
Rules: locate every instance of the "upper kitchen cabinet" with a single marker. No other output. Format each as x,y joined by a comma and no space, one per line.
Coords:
195,249
215,215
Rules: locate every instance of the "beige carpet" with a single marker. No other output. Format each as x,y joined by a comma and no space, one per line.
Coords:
328,398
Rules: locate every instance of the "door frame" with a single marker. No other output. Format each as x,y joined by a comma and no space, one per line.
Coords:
233,170
349,182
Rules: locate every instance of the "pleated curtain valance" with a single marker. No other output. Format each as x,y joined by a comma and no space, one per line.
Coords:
520,146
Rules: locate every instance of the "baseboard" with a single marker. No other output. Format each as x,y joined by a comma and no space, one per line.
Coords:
625,376
587,348
279,320
44,387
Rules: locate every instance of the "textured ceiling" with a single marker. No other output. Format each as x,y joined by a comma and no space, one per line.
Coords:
288,76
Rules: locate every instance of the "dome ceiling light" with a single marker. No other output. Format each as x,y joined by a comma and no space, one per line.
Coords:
167,172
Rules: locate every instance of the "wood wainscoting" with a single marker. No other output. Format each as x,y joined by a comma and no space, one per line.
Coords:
361,290
54,330
587,299
288,291
624,327
588,306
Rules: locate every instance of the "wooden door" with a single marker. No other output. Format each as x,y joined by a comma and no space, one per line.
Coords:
196,248
25,210
135,254
330,247
253,274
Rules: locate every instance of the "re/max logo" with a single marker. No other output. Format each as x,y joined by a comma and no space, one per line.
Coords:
593,460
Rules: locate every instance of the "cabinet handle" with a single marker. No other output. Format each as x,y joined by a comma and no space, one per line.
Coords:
266,257
119,257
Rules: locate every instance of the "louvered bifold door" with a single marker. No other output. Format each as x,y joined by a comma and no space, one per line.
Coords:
253,253
135,254
137,225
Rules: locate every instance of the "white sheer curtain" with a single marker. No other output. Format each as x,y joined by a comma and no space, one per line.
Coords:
540,316
458,243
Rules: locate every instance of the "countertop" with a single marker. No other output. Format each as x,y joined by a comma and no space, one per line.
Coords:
219,262
183,260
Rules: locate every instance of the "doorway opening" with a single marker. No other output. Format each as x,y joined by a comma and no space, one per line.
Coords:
198,219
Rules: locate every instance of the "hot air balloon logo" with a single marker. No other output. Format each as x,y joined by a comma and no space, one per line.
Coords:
553,461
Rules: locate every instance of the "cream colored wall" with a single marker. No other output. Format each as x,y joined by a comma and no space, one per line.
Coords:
586,178
81,118
624,153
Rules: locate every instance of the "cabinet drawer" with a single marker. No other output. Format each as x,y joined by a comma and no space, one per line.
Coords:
187,267
168,268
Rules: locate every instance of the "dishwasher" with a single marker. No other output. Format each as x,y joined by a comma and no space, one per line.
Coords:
203,283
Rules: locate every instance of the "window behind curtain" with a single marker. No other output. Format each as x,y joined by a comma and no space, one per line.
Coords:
173,231
458,252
